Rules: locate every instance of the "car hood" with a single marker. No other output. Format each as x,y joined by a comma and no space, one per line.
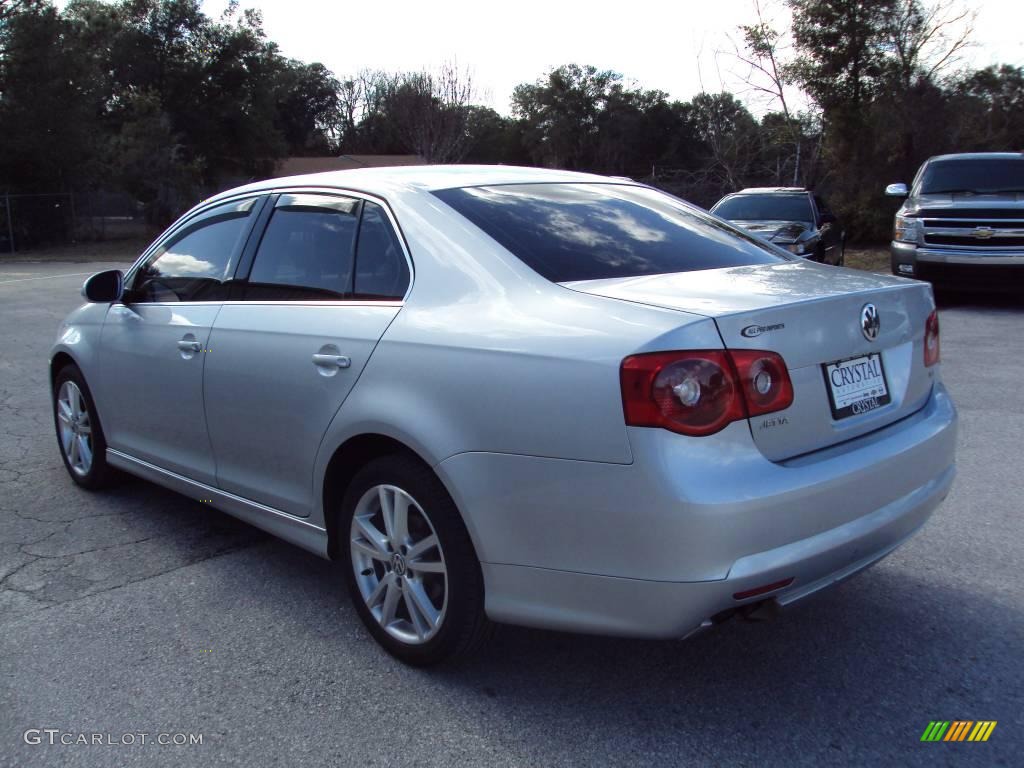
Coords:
964,201
776,231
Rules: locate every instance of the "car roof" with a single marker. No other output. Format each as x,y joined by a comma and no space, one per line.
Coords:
771,190
980,156
421,177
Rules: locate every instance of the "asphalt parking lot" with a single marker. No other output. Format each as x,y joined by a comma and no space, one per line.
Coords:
143,611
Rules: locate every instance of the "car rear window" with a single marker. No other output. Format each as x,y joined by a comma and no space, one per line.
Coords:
765,208
570,232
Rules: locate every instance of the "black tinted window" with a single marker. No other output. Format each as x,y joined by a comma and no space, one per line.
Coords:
195,263
381,269
591,231
979,175
306,250
765,208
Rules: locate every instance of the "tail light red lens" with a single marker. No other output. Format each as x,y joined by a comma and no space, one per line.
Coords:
931,339
701,392
765,380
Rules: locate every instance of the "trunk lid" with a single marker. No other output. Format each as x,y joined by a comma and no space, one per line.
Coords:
812,316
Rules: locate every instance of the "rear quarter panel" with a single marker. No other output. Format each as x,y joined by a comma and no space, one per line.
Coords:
487,356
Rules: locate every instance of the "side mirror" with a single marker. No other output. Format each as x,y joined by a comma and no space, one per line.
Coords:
104,287
896,190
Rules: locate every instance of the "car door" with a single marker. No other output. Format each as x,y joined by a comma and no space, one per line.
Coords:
154,343
326,279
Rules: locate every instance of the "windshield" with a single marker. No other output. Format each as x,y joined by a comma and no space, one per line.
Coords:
977,176
765,208
570,232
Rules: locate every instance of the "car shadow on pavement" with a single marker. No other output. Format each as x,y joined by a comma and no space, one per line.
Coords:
869,662
846,676
952,299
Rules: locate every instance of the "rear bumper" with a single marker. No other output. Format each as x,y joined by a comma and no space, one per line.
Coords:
656,548
605,605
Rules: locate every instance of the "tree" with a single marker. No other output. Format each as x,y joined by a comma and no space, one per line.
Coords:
926,41
48,114
990,103
9,9
842,49
430,112
729,132
770,75
560,114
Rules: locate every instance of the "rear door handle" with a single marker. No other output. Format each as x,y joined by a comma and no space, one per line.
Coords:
331,361
189,346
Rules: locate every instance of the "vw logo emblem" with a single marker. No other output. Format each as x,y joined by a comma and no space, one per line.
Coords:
398,564
870,322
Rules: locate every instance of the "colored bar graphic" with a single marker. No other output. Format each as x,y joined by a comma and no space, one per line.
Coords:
958,730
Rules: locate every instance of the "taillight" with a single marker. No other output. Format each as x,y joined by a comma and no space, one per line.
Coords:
931,339
766,384
699,393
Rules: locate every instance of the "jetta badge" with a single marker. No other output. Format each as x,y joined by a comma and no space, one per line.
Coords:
870,322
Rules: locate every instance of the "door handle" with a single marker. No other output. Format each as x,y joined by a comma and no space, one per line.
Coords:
189,346
335,361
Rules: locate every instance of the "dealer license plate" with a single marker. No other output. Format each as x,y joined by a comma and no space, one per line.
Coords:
856,386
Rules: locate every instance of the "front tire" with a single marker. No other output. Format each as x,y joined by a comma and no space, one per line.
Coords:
79,432
409,563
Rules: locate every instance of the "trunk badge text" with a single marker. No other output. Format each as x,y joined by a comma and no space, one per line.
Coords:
752,331
870,322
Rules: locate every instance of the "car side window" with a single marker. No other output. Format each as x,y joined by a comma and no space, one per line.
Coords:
195,263
307,250
823,208
382,271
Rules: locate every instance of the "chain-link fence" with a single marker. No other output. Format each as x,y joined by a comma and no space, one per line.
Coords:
32,221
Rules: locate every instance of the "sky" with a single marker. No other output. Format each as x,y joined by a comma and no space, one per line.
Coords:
680,47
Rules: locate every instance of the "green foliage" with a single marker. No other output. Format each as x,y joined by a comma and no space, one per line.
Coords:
157,99
154,95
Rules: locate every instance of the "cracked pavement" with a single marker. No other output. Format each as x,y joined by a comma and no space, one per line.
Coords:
139,610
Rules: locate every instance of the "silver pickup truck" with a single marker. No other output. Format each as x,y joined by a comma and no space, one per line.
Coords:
962,223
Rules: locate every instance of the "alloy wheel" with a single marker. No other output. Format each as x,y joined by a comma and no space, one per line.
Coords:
75,428
399,564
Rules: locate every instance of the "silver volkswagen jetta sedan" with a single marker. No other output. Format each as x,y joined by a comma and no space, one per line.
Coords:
515,395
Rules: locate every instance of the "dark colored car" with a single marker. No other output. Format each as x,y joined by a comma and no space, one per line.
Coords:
962,224
791,217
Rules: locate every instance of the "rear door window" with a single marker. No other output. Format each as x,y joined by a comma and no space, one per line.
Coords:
307,250
382,272
569,232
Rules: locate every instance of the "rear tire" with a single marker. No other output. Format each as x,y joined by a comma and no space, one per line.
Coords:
79,432
409,563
